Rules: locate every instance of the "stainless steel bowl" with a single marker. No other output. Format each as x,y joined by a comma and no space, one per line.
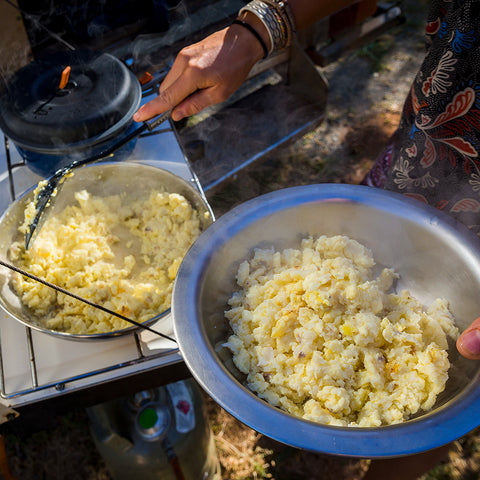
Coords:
435,256
135,179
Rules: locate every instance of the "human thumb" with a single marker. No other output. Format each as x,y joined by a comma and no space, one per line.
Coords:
468,344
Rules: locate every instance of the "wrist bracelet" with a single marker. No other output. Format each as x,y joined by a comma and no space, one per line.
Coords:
278,19
255,34
283,9
267,18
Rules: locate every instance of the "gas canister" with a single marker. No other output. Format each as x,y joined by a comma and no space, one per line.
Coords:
161,433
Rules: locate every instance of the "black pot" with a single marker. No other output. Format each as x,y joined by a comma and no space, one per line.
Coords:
52,126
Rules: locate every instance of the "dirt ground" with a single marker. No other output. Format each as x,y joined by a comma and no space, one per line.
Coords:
367,88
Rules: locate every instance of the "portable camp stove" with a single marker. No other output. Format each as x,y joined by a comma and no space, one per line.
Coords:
36,366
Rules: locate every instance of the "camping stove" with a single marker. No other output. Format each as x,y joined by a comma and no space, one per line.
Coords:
35,366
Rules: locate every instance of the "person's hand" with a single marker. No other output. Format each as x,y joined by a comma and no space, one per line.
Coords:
468,344
205,73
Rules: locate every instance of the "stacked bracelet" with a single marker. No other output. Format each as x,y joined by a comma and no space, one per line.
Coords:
283,9
277,18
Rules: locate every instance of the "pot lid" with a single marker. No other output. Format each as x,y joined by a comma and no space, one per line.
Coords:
99,94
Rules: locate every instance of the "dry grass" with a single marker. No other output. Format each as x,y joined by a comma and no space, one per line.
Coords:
246,454
237,446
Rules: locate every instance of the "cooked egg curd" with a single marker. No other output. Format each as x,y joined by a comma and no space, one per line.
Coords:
318,336
123,255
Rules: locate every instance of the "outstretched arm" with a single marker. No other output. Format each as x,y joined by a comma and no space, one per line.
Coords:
208,72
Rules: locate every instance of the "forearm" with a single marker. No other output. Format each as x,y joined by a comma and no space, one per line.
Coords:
209,71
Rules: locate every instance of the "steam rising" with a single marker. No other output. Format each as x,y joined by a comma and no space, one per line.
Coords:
185,23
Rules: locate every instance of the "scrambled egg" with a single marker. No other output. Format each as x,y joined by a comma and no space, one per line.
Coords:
317,336
121,255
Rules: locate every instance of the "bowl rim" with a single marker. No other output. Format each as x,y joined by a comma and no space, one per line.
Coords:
165,315
458,416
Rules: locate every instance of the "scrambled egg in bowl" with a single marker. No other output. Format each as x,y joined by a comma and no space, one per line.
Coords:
319,336
121,254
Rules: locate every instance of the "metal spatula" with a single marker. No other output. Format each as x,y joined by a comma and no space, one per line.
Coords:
45,194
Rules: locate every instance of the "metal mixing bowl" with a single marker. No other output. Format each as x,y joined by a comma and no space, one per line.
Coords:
434,255
135,179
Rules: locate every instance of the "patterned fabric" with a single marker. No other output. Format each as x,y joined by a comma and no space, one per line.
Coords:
434,155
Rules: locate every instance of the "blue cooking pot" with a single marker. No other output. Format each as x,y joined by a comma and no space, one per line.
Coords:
53,125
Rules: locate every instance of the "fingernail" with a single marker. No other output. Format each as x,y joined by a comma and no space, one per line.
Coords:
135,117
178,115
471,341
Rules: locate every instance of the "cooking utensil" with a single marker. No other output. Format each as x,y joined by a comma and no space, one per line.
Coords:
54,118
46,192
434,255
88,302
136,180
